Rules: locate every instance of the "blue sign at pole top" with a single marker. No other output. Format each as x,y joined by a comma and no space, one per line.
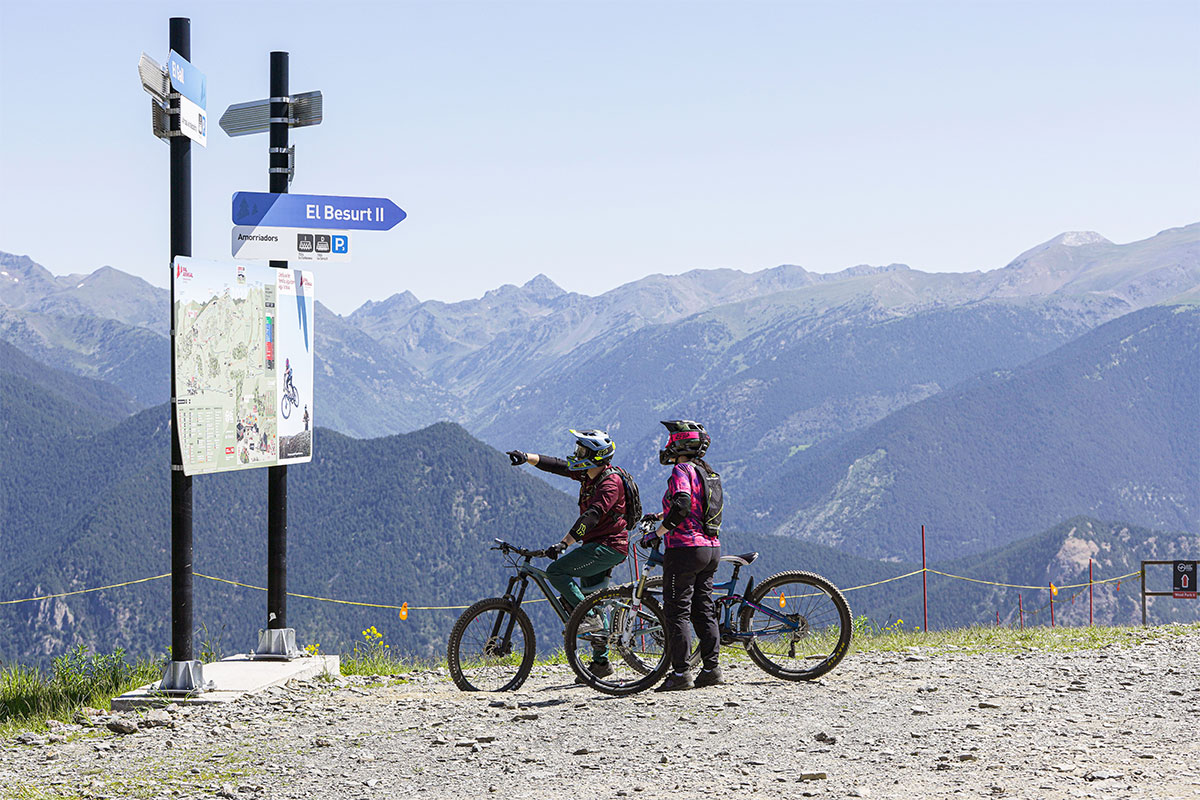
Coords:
187,80
315,211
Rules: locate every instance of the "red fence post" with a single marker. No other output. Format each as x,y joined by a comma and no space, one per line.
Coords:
997,618
924,581
1021,607
1089,593
1051,605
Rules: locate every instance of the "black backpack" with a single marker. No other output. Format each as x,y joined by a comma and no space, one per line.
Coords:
633,500
712,502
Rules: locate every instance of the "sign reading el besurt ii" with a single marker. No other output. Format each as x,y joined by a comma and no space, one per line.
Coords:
243,365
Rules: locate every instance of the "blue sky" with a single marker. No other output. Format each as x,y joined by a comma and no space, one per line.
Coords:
601,142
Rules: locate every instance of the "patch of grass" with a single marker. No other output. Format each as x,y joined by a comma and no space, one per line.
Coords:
373,656
982,638
29,696
28,791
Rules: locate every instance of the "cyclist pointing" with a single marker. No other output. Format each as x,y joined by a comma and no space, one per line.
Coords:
600,526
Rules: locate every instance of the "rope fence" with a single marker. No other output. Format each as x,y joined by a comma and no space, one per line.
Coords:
405,608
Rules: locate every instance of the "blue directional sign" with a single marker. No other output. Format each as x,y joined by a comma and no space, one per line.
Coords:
187,80
315,211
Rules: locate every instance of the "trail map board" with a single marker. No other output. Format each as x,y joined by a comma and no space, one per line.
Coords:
243,365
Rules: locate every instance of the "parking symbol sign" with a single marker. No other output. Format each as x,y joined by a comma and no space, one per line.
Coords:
341,244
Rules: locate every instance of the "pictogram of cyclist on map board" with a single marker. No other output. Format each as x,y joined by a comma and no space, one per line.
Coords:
294,314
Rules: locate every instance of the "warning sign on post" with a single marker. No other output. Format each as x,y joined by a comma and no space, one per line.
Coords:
1184,584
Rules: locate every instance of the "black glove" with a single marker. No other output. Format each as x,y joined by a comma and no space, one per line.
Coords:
516,457
555,550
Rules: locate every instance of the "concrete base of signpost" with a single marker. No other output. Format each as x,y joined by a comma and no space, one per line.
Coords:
232,678
277,643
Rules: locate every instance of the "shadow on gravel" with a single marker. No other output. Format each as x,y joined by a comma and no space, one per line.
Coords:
547,703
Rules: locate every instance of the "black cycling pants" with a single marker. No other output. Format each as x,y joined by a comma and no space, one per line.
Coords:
687,596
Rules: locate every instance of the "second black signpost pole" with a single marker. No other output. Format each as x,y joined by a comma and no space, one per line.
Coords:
278,641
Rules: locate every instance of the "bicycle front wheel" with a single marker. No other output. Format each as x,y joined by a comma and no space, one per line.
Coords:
614,647
799,625
491,647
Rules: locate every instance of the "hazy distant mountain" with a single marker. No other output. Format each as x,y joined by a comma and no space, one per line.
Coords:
777,362
95,403
478,360
136,360
1107,425
1139,273
364,387
106,293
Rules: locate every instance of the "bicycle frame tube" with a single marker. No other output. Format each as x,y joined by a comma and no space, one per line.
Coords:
650,563
768,611
528,571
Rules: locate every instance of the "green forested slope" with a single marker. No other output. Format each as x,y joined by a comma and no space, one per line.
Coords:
1107,425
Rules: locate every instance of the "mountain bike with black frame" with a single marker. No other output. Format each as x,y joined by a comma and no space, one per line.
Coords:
492,645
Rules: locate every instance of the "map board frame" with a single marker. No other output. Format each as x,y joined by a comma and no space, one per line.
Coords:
239,329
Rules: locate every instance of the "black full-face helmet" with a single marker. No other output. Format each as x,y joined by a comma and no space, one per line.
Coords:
685,438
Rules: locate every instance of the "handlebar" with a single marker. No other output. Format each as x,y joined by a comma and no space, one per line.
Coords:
505,547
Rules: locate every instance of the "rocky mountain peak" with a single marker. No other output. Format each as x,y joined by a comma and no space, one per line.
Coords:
543,288
1078,239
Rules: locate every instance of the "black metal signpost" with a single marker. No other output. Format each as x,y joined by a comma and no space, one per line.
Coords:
276,115
278,640
183,673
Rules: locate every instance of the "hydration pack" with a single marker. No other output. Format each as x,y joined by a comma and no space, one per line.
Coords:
633,500
712,502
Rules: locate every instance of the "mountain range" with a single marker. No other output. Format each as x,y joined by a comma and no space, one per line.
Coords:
847,410
404,518
784,365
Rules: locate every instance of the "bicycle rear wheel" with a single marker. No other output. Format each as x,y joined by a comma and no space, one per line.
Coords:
491,647
633,643
803,629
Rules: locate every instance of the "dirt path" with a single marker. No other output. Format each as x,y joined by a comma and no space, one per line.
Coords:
1108,723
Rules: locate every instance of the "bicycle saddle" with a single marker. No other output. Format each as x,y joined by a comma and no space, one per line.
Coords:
742,560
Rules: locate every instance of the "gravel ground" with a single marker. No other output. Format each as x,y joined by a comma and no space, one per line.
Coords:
1110,723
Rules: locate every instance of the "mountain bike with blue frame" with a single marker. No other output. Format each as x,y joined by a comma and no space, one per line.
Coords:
795,625
492,645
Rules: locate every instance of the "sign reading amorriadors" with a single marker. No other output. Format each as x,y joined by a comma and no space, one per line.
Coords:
290,244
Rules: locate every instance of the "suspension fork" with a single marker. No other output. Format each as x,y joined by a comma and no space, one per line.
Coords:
512,618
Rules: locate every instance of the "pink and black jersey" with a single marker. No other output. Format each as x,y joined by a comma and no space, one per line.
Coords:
689,533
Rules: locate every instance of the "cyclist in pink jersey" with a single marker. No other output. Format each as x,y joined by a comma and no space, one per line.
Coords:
693,552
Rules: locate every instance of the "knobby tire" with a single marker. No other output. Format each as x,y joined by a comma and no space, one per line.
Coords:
634,674
463,670
802,584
